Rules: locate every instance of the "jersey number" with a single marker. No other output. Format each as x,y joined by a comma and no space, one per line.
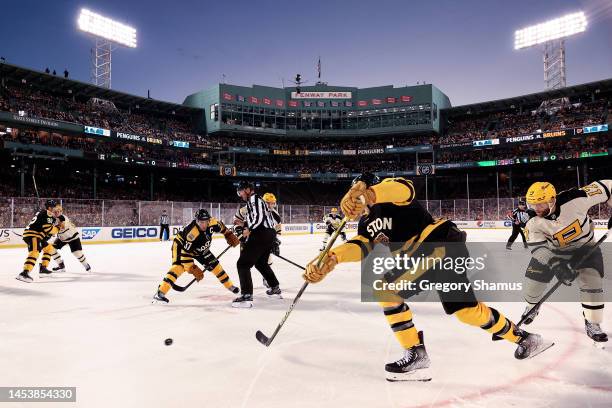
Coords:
592,189
568,233
32,221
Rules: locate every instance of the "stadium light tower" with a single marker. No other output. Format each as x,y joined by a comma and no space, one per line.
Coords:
551,36
107,35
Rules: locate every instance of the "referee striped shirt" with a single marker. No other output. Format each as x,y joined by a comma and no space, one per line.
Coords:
258,214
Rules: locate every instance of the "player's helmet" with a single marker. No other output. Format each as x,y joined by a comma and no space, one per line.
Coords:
202,215
269,198
50,203
334,210
368,178
541,192
242,185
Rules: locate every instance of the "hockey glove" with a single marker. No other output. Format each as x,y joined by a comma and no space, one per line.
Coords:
196,272
563,270
231,238
316,273
276,247
352,205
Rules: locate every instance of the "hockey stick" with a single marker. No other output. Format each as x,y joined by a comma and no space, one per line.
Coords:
265,340
19,235
34,182
535,308
2,241
179,288
290,261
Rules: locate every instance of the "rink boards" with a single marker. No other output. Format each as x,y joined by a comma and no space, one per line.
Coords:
11,237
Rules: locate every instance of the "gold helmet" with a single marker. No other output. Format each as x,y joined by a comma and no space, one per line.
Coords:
269,198
540,192
334,210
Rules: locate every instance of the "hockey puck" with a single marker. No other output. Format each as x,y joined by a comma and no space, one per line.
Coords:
168,342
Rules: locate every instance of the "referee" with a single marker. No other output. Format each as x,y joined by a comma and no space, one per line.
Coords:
260,233
519,219
164,225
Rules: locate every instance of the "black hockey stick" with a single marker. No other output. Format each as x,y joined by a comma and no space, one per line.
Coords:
535,308
265,340
179,288
290,261
19,235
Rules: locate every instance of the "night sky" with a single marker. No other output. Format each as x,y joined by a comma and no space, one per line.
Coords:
463,47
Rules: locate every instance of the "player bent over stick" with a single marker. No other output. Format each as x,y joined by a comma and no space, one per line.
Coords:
36,236
191,243
559,237
406,222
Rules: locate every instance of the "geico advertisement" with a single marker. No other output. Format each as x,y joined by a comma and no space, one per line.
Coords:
9,236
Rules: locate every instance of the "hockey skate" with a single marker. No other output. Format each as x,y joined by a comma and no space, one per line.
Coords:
414,366
43,272
24,277
530,345
274,293
243,302
87,268
61,268
159,297
531,318
593,330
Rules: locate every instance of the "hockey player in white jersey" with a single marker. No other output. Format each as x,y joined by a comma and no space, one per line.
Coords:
559,237
332,221
270,200
67,235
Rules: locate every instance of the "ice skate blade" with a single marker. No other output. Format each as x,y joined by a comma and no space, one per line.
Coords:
242,305
601,345
279,296
26,280
545,346
422,374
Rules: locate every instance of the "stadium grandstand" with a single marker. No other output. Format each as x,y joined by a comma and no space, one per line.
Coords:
119,159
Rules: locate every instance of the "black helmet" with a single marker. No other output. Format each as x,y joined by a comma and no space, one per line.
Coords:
369,178
202,215
244,184
50,203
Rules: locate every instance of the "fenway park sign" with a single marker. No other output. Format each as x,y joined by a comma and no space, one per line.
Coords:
321,95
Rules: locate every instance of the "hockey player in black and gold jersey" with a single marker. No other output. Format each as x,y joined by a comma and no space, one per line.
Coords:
395,218
36,236
192,243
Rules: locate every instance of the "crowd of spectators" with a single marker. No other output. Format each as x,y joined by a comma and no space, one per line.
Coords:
560,148
94,112
515,123
31,101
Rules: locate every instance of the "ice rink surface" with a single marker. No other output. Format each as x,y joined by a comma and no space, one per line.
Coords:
101,334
